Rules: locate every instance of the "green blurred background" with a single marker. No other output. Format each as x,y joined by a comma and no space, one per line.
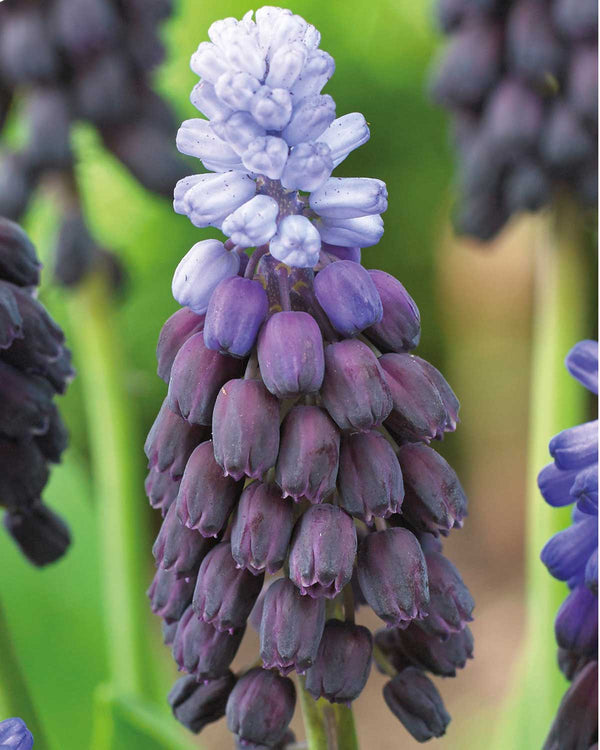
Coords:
476,321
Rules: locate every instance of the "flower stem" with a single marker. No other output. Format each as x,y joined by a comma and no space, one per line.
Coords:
556,402
329,726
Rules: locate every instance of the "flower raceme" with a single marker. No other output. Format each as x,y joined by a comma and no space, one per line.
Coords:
291,457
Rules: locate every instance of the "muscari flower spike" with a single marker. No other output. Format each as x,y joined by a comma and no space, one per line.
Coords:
571,555
291,458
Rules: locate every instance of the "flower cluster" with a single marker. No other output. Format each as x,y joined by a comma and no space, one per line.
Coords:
520,79
572,556
291,459
34,367
14,735
64,61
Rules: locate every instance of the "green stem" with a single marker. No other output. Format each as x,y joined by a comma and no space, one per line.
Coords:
15,698
556,402
115,452
329,726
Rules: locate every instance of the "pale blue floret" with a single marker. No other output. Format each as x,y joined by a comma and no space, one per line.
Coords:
199,273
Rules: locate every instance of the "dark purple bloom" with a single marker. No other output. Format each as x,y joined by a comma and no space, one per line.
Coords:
414,699
434,501
25,403
532,45
169,628
392,574
14,735
197,704
224,594
343,662
290,354
355,391
171,441
576,623
23,473
261,529
235,312
245,428
206,497
447,395
260,707
11,322
349,297
291,628
399,329
196,378
576,722
178,548
41,535
19,263
161,489
322,551
170,596
175,332
55,440
202,650
450,602
307,464
567,553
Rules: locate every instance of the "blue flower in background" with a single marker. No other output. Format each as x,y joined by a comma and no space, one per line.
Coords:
571,555
14,735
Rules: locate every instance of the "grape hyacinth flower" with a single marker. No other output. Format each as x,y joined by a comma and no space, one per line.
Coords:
14,735
520,80
294,404
572,556
35,366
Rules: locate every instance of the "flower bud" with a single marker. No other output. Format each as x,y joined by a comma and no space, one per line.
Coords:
260,707
196,377
238,130
19,263
178,548
205,99
297,242
171,441
253,223
41,535
23,472
235,312
414,699
308,166
173,335
271,107
392,574
450,601
307,464
322,551
291,628
208,62
363,231
245,429
261,529
399,329
290,354
567,552
435,500
266,155
533,50
170,596
224,594
576,722
344,135
447,395
161,489
317,70
355,391
565,143
11,322
201,650
15,735
576,624
200,271
196,138
197,704
286,65
418,412
513,117
348,296
349,197
310,118
343,663
582,82
236,89
206,497
575,447
55,440
370,479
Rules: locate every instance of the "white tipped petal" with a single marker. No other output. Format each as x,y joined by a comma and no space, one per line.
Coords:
349,197
200,271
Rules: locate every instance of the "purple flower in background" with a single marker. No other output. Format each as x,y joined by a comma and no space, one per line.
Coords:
571,555
14,735
300,419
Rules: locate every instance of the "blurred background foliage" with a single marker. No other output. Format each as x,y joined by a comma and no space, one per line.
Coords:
475,309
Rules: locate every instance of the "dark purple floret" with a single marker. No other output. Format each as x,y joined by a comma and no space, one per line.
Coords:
206,497
415,701
25,403
197,376
450,602
175,332
370,479
392,574
533,49
245,428
576,722
355,391
55,440
41,535
178,548
170,596
261,529
349,297
201,650
11,322
161,489
260,707
343,663
224,594
19,263
291,628
322,551
576,625
307,465
290,354
197,704
400,327
235,312
23,473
